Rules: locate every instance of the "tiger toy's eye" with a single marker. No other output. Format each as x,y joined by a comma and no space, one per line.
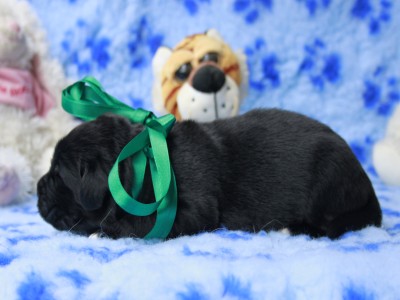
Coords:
211,56
183,72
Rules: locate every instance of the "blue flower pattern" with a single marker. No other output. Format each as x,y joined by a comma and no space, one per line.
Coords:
381,91
92,53
252,10
143,43
320,65
263,66
314,5
375,18
193,6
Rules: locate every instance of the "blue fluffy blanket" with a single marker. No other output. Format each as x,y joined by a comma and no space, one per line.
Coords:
335,60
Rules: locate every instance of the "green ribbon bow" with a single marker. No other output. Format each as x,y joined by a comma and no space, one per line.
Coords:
87,100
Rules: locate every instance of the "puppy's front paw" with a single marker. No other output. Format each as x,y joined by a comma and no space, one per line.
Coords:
285,231
97,235
10,185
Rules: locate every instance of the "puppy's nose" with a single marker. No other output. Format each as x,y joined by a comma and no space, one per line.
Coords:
208,79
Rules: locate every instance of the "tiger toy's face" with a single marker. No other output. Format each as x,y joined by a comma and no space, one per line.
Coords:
200,79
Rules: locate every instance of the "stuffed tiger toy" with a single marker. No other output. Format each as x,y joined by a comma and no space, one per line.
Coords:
200,79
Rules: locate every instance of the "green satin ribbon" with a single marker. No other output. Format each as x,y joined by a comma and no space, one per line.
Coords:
87,100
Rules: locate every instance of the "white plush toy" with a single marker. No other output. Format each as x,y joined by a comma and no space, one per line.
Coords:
32,120
386,153
200,79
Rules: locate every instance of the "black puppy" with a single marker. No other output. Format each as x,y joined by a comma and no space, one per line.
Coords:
264,170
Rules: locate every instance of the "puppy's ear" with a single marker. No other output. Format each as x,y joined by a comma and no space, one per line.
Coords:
93,187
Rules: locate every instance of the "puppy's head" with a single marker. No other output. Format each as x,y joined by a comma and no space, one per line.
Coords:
74,194
200,79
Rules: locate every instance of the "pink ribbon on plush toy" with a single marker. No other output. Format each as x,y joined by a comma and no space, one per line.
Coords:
21,89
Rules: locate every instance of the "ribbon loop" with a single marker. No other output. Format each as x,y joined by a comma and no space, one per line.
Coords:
87,100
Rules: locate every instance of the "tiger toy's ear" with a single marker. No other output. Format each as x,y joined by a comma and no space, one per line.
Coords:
214,34
160,58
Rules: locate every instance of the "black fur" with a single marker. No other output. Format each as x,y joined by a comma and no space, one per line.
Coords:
264,170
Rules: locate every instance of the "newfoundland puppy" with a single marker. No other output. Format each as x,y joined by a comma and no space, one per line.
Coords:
264,170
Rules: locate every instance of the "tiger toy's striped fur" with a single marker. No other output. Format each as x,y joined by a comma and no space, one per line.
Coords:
200,79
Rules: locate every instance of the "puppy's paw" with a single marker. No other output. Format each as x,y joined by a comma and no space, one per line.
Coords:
10,185
94,236
285,231
97,235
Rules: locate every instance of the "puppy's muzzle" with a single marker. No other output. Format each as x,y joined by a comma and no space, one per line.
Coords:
42,192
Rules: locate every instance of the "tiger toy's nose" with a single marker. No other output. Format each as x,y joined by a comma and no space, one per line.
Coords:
208,79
